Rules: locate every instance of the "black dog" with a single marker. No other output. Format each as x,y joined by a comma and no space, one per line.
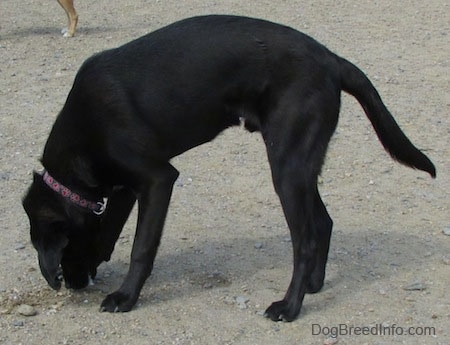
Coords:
133,108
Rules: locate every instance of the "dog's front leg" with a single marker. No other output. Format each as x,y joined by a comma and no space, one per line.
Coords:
153,201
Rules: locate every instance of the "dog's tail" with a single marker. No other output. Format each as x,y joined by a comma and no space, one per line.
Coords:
355,82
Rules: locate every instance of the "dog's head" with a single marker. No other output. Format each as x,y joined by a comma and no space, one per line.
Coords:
63,235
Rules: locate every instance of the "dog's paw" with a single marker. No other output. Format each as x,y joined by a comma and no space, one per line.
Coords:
66,33
281,311
117,302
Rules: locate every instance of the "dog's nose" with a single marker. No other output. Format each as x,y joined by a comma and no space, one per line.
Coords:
53,280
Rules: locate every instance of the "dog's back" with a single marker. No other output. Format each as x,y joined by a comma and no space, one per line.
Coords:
213,70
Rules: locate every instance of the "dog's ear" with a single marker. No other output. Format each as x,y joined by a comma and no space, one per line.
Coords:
40,202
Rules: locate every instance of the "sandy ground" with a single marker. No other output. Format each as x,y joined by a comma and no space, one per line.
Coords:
226,253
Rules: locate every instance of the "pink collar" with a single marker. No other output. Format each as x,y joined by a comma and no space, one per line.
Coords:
96,207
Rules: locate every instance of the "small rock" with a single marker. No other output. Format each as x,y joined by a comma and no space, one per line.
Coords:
5,311
4,176
124,240
242,302
207,286
228,300
241,299
18,323
57,306
330,341
446,260
446,231
258,245
26,310
415,286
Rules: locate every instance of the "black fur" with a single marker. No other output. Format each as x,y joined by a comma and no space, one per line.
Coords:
133,108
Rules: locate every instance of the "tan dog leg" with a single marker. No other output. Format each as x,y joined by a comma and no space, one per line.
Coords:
71,15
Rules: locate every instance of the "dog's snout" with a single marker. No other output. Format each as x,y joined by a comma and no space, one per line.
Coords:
51,271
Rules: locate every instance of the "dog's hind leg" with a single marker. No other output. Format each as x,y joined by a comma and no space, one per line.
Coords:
153,200
296,135
296,189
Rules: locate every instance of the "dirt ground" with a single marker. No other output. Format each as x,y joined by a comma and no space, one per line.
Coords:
226,253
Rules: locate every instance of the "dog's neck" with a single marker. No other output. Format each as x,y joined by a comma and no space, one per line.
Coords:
73,172
97,207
